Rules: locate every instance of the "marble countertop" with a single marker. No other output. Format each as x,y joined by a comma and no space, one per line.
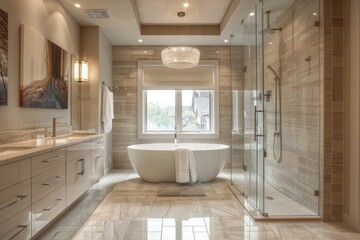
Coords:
20,150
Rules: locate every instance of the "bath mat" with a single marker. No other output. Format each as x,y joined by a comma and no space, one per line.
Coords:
180,190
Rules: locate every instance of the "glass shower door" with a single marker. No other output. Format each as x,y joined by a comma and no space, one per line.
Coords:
254,110
276,136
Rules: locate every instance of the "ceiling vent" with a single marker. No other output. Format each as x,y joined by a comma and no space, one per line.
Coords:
97,13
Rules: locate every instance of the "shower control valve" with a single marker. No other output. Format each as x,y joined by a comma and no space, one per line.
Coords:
267,96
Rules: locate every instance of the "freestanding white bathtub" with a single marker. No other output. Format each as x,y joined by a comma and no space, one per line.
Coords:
156,162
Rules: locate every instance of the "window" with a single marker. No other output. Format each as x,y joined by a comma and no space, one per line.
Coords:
160,110
197,110
185,101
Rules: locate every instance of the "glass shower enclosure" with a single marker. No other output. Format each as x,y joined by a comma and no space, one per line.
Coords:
275,75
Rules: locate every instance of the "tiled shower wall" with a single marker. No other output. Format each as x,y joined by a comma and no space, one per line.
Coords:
300,101
294,53
125,129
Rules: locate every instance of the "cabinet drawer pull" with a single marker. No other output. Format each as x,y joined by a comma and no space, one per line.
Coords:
52,205
52,181
22,228
99,156
82,172
52,159
100,142
18,199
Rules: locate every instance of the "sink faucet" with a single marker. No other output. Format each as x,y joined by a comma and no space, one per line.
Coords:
54,126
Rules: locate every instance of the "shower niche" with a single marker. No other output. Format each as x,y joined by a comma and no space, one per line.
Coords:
275,169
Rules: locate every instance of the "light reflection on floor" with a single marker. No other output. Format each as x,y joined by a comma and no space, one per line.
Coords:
171,229
133,211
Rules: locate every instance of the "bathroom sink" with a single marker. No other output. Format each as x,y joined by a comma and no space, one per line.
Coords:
70,137
13,149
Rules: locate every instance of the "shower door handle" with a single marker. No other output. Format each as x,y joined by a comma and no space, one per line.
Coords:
255,124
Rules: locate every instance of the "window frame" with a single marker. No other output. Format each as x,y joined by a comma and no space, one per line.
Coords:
142,98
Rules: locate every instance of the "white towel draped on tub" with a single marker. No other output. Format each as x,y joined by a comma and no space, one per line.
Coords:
185,169
107,109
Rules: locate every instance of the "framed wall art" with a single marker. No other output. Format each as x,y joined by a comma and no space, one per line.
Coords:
44,72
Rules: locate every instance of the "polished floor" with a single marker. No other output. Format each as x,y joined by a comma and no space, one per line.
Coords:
276,202
122,206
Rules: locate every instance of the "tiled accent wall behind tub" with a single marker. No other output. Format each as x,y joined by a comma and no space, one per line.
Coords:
125,130
333,110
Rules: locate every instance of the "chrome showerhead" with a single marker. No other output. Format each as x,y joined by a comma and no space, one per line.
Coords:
276,76
268,30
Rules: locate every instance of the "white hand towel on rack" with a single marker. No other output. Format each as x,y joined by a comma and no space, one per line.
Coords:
185,170
107,109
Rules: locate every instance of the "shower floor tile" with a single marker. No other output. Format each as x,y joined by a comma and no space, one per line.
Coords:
276,203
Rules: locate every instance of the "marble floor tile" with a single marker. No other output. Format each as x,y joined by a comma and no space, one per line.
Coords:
123,207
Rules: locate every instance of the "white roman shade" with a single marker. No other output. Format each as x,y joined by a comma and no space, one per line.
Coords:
157,76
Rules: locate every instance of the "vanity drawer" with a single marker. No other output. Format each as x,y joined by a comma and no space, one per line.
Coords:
15,172
47,209
14,199
46,161
18,227
47,182
77,150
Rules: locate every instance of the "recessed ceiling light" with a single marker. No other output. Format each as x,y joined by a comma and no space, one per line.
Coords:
140,40
186,5
252,14
315,14
270,43
226,40
145,52
77,5
217,51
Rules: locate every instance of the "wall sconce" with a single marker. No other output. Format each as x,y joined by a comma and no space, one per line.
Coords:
81,71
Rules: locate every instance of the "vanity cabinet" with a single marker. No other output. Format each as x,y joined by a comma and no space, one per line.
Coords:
78,171
36,189
15,200
97,159
48,187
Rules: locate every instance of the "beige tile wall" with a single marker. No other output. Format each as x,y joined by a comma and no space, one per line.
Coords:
125,96
332,92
